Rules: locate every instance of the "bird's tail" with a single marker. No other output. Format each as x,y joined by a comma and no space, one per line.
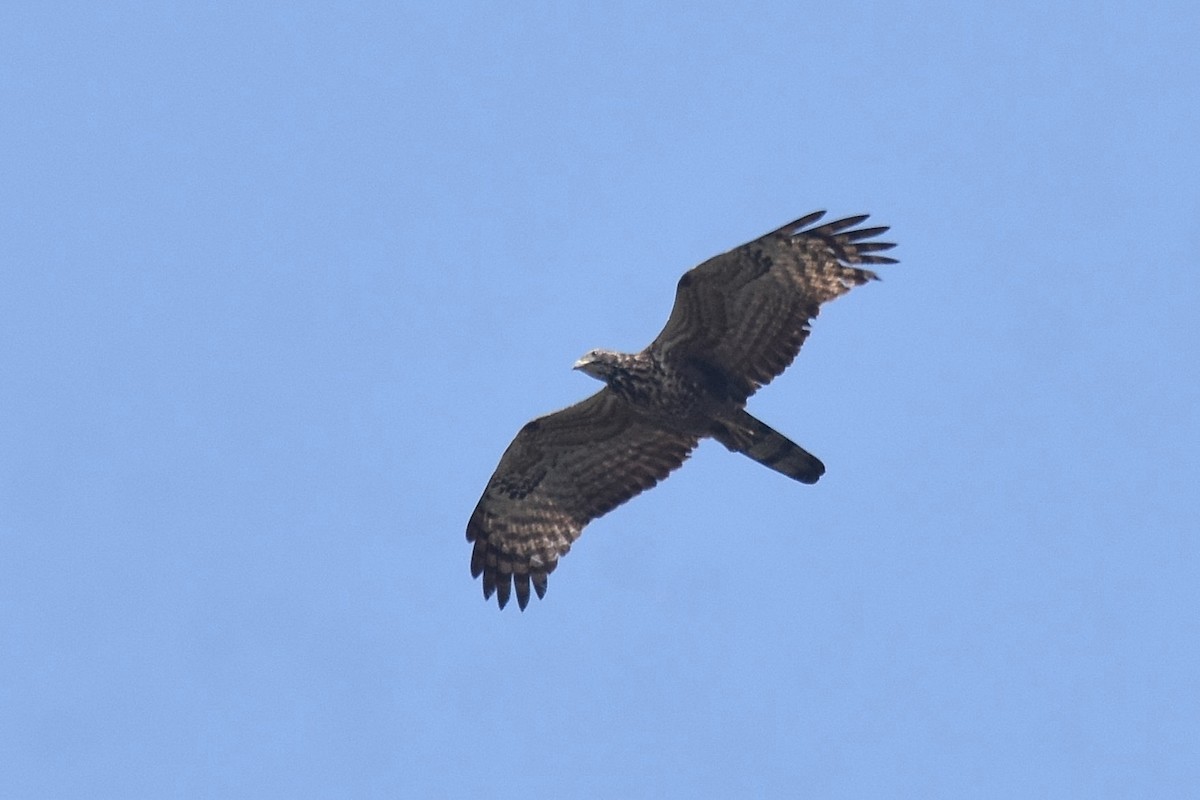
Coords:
745,434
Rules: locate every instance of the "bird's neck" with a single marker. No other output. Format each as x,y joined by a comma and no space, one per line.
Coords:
633,376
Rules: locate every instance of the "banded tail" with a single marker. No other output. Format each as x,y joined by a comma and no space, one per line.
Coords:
749,436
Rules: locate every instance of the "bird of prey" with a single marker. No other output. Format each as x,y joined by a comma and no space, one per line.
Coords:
739,320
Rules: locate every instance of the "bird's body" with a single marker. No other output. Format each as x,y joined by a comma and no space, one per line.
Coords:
739,319
680,394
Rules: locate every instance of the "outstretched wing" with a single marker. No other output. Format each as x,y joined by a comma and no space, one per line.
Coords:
747,312
562,471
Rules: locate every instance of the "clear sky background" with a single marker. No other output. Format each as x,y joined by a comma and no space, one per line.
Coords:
280,283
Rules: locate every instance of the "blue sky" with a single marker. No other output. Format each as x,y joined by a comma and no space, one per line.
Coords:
280,283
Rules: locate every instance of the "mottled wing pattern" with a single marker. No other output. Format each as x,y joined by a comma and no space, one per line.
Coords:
748,311
562,471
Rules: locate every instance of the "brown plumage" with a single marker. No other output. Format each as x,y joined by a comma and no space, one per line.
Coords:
739,320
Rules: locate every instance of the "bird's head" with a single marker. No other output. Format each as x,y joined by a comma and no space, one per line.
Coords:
597,363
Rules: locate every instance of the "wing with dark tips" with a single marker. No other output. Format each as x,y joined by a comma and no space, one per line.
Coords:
748,311
562,471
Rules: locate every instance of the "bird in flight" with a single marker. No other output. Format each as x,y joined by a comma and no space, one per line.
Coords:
738,321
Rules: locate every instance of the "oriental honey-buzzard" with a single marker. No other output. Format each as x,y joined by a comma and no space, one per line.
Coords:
739,320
